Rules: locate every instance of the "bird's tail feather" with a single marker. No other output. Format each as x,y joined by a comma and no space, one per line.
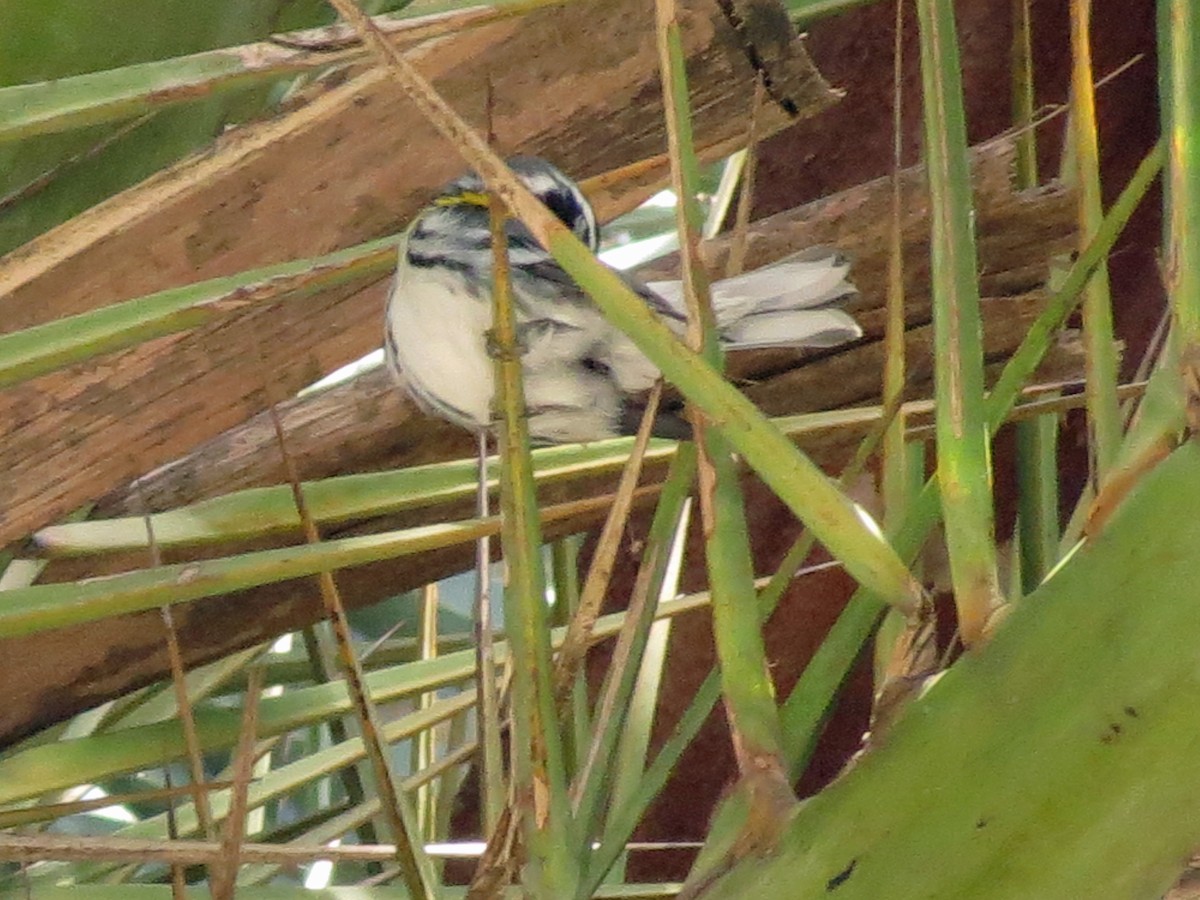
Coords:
789,303
791,328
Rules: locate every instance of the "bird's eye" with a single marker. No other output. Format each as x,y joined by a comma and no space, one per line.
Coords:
599,366
563,205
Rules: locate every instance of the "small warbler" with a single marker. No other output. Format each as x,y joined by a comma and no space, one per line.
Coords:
583,377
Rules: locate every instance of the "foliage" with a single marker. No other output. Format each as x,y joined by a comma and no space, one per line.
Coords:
1052,752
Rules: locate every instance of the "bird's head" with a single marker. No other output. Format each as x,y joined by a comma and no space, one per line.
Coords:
547,182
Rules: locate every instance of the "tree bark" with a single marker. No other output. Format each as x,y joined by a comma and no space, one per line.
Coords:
368,425
353,164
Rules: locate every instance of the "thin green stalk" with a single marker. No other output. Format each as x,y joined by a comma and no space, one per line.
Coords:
1037,498
564,569
1179,43
1023,94
539,772
1037,440
1104,413
564,559
631,755
633,749
564,562
964,471
595,782
745,679
809,702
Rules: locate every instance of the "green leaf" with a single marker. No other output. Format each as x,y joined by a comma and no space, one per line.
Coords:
1057,758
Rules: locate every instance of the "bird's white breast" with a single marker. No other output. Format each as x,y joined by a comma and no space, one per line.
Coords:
440,343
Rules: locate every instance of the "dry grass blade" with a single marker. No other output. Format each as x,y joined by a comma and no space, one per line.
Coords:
178,877
497,866
223,875
895,467
595,586
626,655
739,239
185,852
417,871
12,818
179,684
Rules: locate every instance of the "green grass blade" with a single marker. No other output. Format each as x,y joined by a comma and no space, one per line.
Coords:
1167,408
1037,441
806,707
539,782
44,606
268,511
964,467
1107,719
1037,477
1104,414
1179,42
806,11
35,351
745,678
598,779
115,95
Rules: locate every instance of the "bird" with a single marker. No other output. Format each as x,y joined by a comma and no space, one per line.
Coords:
584,379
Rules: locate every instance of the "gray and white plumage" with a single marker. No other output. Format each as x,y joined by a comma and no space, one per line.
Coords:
581,374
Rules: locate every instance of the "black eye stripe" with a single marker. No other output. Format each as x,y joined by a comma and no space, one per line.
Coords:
563,204
551,186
